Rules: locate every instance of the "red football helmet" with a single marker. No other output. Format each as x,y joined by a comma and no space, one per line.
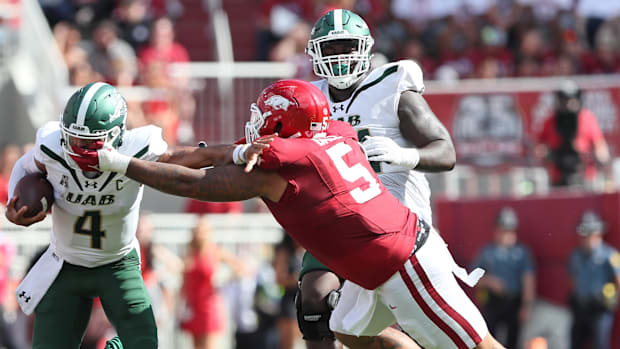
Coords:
290,108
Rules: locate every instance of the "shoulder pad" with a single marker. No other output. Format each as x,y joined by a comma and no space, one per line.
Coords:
412,77
144,142
46,130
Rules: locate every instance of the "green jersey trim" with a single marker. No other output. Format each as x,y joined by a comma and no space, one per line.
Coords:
56,157
108,180
386,73
141,152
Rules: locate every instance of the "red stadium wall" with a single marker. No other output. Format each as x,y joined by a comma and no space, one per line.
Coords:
546,224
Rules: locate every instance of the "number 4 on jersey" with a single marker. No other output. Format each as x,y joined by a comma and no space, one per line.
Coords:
94,232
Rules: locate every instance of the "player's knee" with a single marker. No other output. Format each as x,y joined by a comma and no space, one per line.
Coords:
316,288
313,315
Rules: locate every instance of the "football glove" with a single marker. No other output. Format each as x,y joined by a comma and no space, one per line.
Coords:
379,148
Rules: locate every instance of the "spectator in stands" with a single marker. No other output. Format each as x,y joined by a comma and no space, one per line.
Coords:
571,140
203,314
595,269
68,40
9,154
162,48
292,49
112,57
605,58
7,251
254,300
276,19
158,265
82,74
508,287
134,23
287,264
161,109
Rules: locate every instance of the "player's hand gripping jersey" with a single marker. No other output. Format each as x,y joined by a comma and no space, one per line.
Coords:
343,206
94,220
372,110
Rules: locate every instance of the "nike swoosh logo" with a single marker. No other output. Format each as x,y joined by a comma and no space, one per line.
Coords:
391,306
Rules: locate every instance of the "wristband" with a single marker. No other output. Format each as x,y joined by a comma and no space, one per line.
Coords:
410,157
238,155
113,161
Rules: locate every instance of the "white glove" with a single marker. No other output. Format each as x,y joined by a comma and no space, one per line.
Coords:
379,148
111,160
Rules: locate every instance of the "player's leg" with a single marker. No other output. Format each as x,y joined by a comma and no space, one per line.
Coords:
313,309
428,303
62,315
388,338
361,321
126,302
317,283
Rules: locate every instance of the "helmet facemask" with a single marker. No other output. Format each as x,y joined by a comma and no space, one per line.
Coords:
77,139
341,69
252,127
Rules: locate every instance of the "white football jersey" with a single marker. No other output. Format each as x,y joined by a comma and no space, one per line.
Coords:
372,110
94,220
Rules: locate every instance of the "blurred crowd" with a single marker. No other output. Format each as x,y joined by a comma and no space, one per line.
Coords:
128,43
205,290
457,39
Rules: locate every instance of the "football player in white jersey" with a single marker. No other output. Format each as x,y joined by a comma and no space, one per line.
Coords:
93,249
402,137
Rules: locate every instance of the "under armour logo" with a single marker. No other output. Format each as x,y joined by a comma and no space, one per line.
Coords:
335,107
89,184
23,295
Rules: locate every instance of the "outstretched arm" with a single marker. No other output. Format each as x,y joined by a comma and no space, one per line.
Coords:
226,183
198,157
419,125
217,155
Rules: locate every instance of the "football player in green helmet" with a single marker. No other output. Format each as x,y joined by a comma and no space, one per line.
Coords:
93,250
339,45
403,138
94,117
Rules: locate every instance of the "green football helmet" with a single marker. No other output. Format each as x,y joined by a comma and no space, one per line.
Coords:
95,116
339,45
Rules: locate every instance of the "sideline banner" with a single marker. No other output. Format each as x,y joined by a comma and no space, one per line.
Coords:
492,127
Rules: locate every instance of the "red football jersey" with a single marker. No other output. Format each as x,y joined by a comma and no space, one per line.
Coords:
337,208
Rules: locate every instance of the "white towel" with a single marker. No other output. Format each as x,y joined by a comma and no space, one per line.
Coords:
38,280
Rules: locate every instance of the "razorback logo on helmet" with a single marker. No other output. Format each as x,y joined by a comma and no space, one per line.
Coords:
278,102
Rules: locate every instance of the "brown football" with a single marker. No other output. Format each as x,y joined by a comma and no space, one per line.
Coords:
35,192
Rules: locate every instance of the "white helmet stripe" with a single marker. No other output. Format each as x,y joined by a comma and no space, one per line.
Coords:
338,20
86,102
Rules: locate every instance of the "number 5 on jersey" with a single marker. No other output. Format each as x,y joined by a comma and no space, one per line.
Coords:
81,227
353,173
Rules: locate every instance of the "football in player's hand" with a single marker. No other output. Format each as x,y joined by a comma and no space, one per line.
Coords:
35,192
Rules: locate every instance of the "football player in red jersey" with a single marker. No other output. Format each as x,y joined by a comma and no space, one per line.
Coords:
322,190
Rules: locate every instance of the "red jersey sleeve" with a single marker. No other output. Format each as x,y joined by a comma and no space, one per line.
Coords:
283,152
